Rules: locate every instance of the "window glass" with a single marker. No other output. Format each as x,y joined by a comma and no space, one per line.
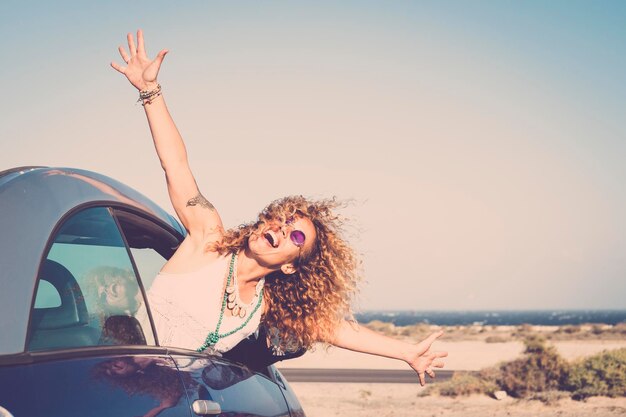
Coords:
47,295
100,301
151,245
149,262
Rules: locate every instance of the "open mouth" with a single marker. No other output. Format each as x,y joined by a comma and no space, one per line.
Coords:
271,239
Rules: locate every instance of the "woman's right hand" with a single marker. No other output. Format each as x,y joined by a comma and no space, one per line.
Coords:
423,360
140,70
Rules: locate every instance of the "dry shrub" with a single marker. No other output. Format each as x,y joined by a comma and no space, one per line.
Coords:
542,375
601,374
541,369
598,329
365,394
496,339
417,331
569,329
463,383
388,329
523,331
590,331
618,330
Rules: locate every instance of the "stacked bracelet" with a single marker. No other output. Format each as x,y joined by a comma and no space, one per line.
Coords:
148,96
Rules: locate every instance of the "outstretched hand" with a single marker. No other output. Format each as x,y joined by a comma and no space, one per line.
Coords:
423,360
140,70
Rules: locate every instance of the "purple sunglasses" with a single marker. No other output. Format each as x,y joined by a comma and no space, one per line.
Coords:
297,236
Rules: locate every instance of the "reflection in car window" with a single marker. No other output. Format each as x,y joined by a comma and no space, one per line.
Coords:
89,267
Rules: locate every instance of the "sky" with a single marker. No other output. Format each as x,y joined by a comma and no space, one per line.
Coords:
480,146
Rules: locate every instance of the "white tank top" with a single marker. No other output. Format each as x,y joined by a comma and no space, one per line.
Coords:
186,307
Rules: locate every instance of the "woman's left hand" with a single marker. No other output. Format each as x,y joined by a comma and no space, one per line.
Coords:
140,70
423,360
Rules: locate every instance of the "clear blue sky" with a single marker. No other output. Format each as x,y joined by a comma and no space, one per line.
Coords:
483,143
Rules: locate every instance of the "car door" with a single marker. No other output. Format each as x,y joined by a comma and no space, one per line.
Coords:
100,385
213,385
91,349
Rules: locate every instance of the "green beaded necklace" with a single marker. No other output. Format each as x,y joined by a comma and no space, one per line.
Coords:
213,337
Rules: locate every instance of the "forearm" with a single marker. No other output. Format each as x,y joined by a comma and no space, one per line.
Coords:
352,336
168,142
418,356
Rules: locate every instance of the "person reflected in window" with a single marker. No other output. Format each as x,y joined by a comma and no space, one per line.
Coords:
114,299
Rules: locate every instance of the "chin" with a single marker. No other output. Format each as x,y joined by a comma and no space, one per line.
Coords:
254,247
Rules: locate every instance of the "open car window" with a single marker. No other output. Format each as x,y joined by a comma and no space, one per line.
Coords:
88,293
151,244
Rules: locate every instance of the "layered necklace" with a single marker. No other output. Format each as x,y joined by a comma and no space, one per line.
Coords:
232,301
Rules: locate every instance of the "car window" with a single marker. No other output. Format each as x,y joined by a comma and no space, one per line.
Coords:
149,262
90,269
151,244
47,295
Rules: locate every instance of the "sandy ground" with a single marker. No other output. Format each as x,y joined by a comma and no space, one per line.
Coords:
365,400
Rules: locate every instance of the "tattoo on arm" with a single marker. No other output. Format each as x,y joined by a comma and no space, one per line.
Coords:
199,200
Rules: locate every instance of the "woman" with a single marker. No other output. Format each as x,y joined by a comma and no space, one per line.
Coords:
290,269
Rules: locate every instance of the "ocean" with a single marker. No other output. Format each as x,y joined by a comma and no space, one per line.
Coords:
495,317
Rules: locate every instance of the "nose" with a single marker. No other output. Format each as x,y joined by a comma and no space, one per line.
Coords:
286,229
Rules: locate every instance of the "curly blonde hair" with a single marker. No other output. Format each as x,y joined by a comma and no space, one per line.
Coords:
307,306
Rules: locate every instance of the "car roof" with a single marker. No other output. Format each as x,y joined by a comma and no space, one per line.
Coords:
33,200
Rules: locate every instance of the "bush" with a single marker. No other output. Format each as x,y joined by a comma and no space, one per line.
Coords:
541,374
619,329
541,369
602,374
598,329
415,330
569,329
463,383
523,331
496,339
379,326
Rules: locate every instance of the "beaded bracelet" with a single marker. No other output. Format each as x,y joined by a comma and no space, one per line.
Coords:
148,96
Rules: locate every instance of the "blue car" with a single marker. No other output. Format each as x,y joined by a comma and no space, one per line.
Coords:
78,251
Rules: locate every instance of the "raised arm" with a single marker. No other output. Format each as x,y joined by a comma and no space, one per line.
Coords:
352,336
195,212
